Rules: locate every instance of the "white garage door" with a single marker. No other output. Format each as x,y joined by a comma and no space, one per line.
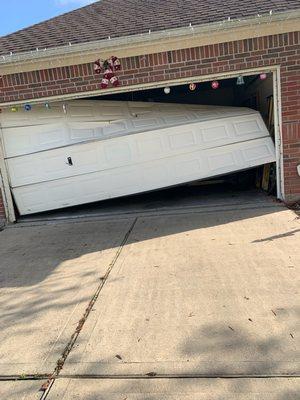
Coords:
102,149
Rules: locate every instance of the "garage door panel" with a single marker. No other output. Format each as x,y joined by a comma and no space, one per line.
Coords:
248,125
257,152
38,115
21,170
125,150
141,177
216,133
220,160
81,132
146,147
114,128
83,126
98,150
15,140
49,138
184,169
25,140
182,138
47,166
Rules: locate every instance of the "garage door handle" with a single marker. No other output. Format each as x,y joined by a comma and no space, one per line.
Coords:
69,161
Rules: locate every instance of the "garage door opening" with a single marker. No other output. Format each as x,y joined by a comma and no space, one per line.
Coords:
253,92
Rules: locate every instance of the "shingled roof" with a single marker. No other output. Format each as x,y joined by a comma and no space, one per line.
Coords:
117,18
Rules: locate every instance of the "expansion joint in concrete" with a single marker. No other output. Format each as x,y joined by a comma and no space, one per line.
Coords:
46,387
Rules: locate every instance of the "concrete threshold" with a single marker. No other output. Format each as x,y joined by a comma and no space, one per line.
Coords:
162,211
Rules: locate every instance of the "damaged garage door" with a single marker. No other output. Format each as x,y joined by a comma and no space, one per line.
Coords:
85,151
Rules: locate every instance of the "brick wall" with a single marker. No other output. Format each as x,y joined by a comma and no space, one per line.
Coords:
283,50
291,158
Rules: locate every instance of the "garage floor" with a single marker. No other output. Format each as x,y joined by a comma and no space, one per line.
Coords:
182,198
195,304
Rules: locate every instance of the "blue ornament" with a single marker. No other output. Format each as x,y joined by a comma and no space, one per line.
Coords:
27,107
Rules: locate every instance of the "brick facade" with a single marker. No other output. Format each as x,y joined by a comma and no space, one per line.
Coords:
282,49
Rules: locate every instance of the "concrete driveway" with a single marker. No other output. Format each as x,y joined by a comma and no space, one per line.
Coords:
192,303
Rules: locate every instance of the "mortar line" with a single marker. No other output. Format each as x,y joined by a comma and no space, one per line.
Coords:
46,387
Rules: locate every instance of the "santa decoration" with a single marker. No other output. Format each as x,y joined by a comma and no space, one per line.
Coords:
108,68
104,83
114,81
98,66
117,64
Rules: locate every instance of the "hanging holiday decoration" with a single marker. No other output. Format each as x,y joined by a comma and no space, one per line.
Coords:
116,64
215,84
108,68
192,86
64,107
14,109
104,83
263,76
108,73
47,106
114,81
167,90
98,66
240,80
27,107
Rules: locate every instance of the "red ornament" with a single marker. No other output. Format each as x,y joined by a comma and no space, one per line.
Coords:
108,73
98,65
104,83
263,76
215,84
114,81
117,64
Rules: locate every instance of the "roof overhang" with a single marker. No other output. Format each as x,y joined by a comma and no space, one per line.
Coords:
151,42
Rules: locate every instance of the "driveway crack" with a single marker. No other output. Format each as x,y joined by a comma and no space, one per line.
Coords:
45,388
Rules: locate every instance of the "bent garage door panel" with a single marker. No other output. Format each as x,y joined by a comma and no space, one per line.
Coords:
38,130
142,177
132,149
157,146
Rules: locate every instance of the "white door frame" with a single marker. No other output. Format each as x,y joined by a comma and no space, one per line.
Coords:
278,134
4,185
275,70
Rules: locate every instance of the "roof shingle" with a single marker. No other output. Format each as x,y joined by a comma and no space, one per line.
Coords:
117,18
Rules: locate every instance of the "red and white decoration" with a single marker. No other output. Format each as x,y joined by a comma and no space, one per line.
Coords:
263,76
98,66
104,83
192,86
108,68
